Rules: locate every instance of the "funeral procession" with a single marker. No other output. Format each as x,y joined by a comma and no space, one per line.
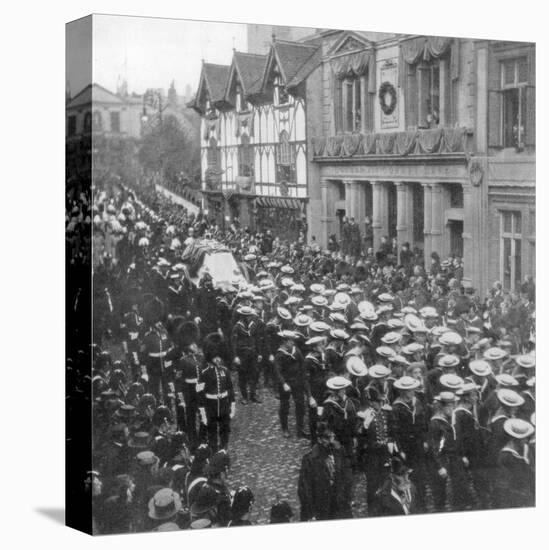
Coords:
313,281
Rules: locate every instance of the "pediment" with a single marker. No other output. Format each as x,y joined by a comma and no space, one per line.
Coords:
350,42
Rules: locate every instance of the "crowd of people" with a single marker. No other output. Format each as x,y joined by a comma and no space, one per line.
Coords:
394,371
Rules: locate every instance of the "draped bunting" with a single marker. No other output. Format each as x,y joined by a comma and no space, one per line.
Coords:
355,64
427,48
275,202
414,142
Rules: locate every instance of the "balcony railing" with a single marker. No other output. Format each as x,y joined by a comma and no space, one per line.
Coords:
438,141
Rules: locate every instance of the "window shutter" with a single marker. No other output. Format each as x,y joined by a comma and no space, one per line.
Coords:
495,139
424,94
411,97
530,116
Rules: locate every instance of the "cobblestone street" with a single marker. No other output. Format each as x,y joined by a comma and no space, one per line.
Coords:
267,462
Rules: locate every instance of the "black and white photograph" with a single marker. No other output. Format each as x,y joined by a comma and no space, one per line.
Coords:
300,274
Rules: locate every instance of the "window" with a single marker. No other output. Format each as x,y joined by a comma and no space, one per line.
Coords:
351,104
429,95
514,78
241,103
213,155
115,122
511,249
245,157
456,196
87,122
71,125
285,159
281,96
97,121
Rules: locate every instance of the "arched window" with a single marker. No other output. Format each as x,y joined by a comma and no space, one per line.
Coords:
245,157
285,158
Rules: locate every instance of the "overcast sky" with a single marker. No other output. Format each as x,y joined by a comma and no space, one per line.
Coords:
149,52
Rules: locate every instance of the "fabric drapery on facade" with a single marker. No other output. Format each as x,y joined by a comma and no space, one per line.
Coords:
411,142
426,48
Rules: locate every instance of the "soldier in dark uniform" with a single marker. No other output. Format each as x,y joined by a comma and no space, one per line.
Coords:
290,375
281,321
187,373
216,400
132,327
316,375
157,348
244,343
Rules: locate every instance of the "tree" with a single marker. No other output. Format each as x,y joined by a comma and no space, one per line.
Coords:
167,149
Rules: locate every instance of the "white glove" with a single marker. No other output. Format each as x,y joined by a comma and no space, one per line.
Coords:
285,387
197,320
271,358
391,447
443,473
259,358
465,461
233,410
312,402
237,360
203,416
368,417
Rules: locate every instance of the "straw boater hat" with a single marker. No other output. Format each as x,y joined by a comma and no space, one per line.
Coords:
506,380
395,324
391,338
342,298
369,316
319,326
385,351
493,354
336,306
338,318
358,325
343,287
379,371
411,348
428,312
356,366
287,269
439,330
246,310
339,334
406,383
385,297
319,301
480,367
338,383
385,308
250,257
518,428
451,381
286,282
283,313
450,338
408,309
164,504
329,292
302,320
293,300
526,361
363,338
446,397
317,288
140,440
146,458
297,287
509,398
447,361
399,359
467,387
287,334
315,340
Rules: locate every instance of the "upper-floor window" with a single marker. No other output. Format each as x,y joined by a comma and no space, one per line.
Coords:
213,155
281,96
511,249
245,157
87,122
241,103
285,158
115,121
511,100
351,104
71,130
514,78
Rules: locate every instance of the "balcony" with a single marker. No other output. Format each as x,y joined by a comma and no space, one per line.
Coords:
444,143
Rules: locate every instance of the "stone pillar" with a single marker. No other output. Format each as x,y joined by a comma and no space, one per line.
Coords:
349,197
427,211
404,213
468,242
328,218
359,205
437,222
379,212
